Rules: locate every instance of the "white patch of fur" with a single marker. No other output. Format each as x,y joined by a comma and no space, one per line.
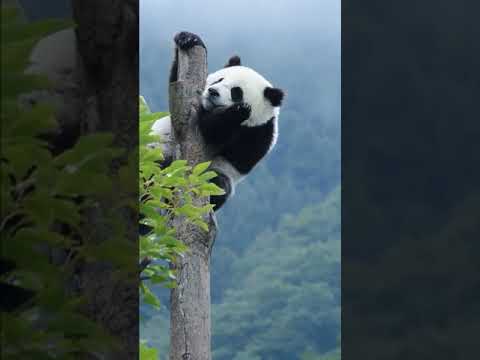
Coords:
55,56
163,128
275,134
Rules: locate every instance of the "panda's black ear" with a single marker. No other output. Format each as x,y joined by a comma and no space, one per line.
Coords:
234,61
274,95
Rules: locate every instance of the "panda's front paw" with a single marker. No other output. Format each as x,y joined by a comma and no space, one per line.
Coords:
186,40
243,110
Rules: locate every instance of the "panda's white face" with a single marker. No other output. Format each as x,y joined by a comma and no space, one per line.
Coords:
236,84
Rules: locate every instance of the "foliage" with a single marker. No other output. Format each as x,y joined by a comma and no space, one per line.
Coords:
42,195
284,296
165,193
291,277
331,355
147,353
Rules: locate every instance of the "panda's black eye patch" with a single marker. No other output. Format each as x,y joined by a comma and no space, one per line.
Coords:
237,94
216,82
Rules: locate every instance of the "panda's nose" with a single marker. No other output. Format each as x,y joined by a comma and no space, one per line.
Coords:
213,92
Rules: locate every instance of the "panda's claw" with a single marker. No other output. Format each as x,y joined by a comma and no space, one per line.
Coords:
244,110
186,40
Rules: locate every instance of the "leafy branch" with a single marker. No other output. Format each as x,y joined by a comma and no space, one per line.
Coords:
165,194
43,202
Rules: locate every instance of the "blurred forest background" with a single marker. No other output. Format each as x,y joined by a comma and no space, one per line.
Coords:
276,261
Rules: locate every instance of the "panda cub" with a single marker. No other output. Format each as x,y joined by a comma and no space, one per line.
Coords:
238,119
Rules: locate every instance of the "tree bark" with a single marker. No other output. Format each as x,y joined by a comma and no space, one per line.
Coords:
107,43
190,325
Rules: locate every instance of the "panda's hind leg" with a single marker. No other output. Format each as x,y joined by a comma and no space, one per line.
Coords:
223,182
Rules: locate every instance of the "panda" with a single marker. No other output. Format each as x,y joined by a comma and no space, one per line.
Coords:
238,119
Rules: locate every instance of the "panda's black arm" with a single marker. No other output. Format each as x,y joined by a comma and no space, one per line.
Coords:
219,125
174,68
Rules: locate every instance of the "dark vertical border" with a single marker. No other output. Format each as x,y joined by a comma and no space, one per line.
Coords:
410,179
87,305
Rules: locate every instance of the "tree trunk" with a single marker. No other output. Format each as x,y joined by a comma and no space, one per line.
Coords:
94,72
107,42
190,325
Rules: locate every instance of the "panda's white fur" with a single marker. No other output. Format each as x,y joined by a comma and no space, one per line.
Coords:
163,128
253,85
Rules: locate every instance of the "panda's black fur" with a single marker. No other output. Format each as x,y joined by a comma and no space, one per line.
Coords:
237,119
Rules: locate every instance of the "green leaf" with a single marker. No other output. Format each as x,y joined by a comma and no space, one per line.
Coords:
39,209
86,149
14,84
143,106
200,168
41,236
10,15
208,176
171,285
29,259
161,192
147,353
15,56
176,165
148,139
210,189
149,297
35,30
145,127
189,210
22,157
152,155
83,183
39,120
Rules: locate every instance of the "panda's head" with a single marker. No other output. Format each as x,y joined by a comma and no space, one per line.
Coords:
235,84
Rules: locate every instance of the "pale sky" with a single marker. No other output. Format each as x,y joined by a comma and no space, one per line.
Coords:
272,36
